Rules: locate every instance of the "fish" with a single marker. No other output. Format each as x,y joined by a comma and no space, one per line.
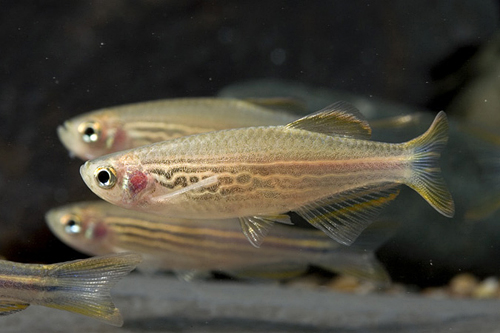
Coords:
192,248
79,286
322,167
112,129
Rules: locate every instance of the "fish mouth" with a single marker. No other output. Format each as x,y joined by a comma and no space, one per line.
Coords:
52,218
85,174
64,136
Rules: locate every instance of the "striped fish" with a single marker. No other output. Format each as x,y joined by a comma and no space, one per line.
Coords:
80,286
192,248
322,166
117,128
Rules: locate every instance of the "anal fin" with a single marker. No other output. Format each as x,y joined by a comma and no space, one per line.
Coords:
345,215
9,307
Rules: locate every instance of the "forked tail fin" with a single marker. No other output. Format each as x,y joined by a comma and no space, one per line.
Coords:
83,286
426,176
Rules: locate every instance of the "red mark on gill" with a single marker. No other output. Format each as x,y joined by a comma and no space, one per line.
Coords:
137,181
120,140
99,231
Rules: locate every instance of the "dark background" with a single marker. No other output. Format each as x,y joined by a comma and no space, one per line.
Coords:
62,58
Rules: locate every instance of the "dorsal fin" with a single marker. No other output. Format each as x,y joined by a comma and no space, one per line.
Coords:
339,119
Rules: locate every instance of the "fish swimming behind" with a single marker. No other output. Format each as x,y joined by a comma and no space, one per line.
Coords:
322,166
80,286
105,131
195,247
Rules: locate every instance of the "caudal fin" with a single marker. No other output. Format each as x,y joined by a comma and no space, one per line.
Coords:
426,176
83,286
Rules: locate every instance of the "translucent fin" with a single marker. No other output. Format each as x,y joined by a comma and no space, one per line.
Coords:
280,218
192,187
375,235
83,286
361,265
426,176
358,259
191,275
340,119
279,103
255,228
398,122
274,271
483,210
344,216
9,307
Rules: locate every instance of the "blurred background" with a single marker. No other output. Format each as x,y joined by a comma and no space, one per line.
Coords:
59,59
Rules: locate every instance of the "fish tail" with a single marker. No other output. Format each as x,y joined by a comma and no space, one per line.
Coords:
425,177
83,286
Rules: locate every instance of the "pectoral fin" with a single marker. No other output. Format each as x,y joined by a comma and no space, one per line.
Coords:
9,307
255,228
344,216
340,119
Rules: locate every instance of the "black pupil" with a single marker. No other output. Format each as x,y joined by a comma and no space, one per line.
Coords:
103,177
71,223
89,131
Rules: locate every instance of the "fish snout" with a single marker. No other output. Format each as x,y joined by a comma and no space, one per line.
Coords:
87,174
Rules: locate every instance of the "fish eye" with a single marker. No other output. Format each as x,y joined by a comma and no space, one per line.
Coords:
105,177
90,131
72,224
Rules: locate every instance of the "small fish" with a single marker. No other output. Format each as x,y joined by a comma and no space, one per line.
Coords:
80,286
108,130
193,247
322,166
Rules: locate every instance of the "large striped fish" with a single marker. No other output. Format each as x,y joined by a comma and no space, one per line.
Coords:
80,286
322,166
194,247
127,126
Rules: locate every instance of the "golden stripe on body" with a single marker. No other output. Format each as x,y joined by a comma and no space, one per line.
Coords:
163,239
223,240
267,176
157,131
